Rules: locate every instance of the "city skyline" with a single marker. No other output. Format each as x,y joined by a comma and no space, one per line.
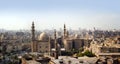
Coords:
15,15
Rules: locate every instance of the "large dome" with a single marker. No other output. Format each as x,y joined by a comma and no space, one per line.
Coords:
43,37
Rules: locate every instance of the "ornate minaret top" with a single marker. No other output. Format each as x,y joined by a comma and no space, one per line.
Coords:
33,31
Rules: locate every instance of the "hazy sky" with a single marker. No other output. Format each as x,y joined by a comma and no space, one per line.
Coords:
52,14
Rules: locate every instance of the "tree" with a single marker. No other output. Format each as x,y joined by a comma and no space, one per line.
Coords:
66,53
80,54
86,53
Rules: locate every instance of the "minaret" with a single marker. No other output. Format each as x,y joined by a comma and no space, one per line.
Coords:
33,44
56,46
33,31
64,31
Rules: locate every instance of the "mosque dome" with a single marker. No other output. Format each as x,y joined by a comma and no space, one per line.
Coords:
43,37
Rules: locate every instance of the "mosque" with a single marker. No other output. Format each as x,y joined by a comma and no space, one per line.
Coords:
53,46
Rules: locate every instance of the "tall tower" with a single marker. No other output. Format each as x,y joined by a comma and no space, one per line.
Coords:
56,46
33,31
65,33
33,44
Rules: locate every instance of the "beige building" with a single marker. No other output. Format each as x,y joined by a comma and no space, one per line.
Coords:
107,48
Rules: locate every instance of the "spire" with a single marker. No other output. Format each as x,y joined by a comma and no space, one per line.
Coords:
33,31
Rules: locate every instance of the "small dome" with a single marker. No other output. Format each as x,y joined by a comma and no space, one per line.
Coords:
43,37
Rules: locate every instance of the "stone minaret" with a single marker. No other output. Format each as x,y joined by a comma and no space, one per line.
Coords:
65,34
56,46
33,31
33,44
